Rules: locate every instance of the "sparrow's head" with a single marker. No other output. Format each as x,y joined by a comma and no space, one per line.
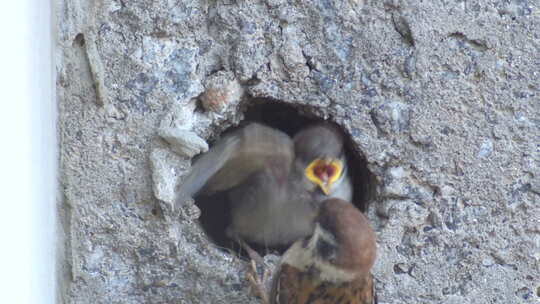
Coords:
319,153
333,264
343,237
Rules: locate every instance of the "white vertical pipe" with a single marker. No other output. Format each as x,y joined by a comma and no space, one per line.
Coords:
28,153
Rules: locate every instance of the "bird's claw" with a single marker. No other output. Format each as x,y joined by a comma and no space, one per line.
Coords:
258,282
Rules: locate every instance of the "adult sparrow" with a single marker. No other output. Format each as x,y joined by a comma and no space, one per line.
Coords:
333,264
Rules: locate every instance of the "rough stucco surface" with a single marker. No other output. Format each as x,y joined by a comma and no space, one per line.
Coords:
441,97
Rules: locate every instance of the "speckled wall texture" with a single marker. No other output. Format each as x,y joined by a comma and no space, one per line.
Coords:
441,97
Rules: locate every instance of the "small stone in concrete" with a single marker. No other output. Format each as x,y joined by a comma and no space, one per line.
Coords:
222,90
391,117
190,211
485,149
166,169
488,262
184,142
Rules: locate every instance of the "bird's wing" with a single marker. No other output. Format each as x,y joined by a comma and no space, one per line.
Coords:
364,291
207,165
290,286
234,158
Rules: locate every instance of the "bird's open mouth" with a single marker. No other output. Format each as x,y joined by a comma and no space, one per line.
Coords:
324,172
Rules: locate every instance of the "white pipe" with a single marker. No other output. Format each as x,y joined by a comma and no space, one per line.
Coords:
28,153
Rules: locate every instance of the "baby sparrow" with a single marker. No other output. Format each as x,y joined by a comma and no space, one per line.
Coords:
274,184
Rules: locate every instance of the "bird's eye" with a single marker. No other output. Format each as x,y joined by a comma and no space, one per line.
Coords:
326,250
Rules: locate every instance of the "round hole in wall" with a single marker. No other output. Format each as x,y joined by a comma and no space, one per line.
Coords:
215,215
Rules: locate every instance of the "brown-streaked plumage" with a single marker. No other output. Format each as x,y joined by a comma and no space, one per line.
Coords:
332,265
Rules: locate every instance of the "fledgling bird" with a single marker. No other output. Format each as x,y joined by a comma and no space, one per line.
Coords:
332,265
275,209
320,155
274,184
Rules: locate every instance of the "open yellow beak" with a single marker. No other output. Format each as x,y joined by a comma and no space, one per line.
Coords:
324,173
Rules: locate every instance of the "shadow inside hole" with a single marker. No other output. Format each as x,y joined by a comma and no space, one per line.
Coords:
215,209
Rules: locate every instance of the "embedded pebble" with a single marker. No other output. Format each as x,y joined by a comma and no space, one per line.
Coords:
185,143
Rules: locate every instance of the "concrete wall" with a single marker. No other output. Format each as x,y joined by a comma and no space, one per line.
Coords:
442,98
